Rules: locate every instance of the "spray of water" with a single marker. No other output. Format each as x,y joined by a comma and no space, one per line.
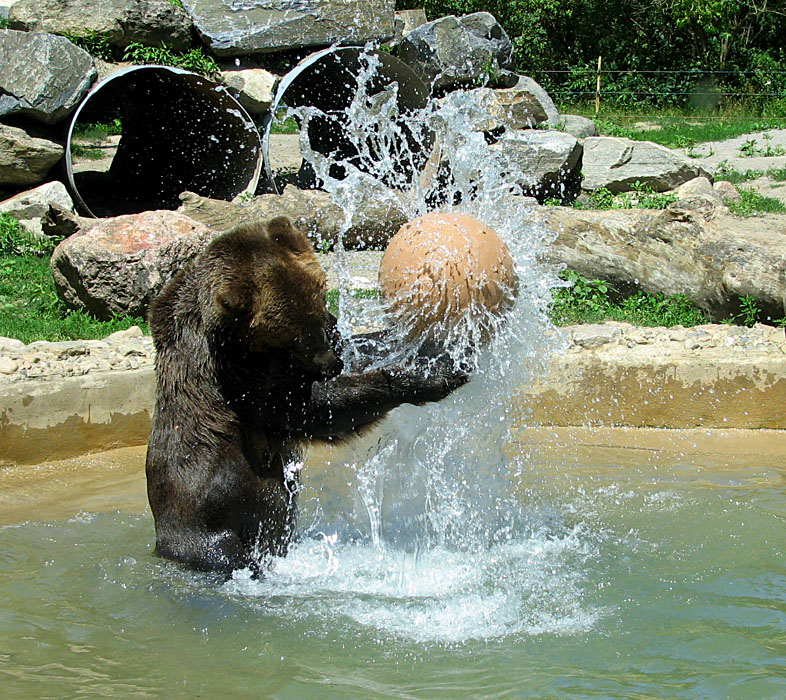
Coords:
433,544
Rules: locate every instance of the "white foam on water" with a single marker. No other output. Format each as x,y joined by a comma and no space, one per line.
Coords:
520,587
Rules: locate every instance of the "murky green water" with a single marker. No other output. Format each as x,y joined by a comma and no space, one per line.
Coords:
627,582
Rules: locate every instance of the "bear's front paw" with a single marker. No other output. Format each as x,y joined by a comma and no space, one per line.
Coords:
430,381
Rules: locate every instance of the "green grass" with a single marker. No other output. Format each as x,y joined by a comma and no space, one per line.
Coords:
287,126
725,172
333,297
88,131
86,152
642,197
752,204
681,131
29,306
596,301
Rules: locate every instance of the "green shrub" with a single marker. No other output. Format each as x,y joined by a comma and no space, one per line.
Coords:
194,60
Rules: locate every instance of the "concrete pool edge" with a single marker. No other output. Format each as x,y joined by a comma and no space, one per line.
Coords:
611,375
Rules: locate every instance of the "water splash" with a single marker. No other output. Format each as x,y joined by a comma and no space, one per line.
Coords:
434,544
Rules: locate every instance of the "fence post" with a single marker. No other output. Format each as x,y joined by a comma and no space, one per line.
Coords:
597,87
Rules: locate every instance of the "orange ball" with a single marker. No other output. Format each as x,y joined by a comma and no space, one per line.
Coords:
440,270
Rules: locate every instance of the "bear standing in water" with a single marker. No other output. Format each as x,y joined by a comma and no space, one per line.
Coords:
248,372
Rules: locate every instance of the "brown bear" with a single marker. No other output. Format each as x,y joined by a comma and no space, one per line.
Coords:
248,372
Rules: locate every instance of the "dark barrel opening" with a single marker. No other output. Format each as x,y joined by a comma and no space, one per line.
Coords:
180,131
328,81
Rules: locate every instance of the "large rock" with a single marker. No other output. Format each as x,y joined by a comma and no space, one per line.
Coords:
122,22
578,126
254,88
525,84
511,108
119,265
31,206
378,217
43,76
238,28
25,159
453,52
675,251
406,21
551,159
618,164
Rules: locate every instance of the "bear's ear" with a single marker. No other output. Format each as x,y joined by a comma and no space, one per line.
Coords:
281,231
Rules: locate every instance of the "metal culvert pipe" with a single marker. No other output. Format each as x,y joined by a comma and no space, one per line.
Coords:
327,80
180,131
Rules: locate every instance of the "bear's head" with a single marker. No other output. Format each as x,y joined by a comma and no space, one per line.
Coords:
264,290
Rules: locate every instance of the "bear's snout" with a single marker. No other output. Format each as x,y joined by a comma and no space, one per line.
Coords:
314,352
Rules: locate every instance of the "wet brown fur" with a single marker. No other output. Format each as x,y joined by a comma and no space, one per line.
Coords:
247,372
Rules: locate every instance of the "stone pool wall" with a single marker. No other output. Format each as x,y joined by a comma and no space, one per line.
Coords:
64,399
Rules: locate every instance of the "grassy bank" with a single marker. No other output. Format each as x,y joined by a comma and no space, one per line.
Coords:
30,308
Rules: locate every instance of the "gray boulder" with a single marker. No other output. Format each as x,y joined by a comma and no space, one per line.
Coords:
119,265
510,108
618,163
552,160
29,207
254,88
122,22
25,159
379,216
699,196
453,52
44,76
578,126
525,84
239,28
406,21
674,251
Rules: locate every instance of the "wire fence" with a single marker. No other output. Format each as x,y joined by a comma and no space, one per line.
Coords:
762,91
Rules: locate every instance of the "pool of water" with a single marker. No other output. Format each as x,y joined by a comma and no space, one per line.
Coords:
638,573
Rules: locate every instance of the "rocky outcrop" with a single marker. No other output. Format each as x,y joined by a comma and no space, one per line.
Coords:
31,206
150,22
407,20
576,125
551,159
43,77
118,266
25,159
618,164
453,52
528,85
676,251
236,29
